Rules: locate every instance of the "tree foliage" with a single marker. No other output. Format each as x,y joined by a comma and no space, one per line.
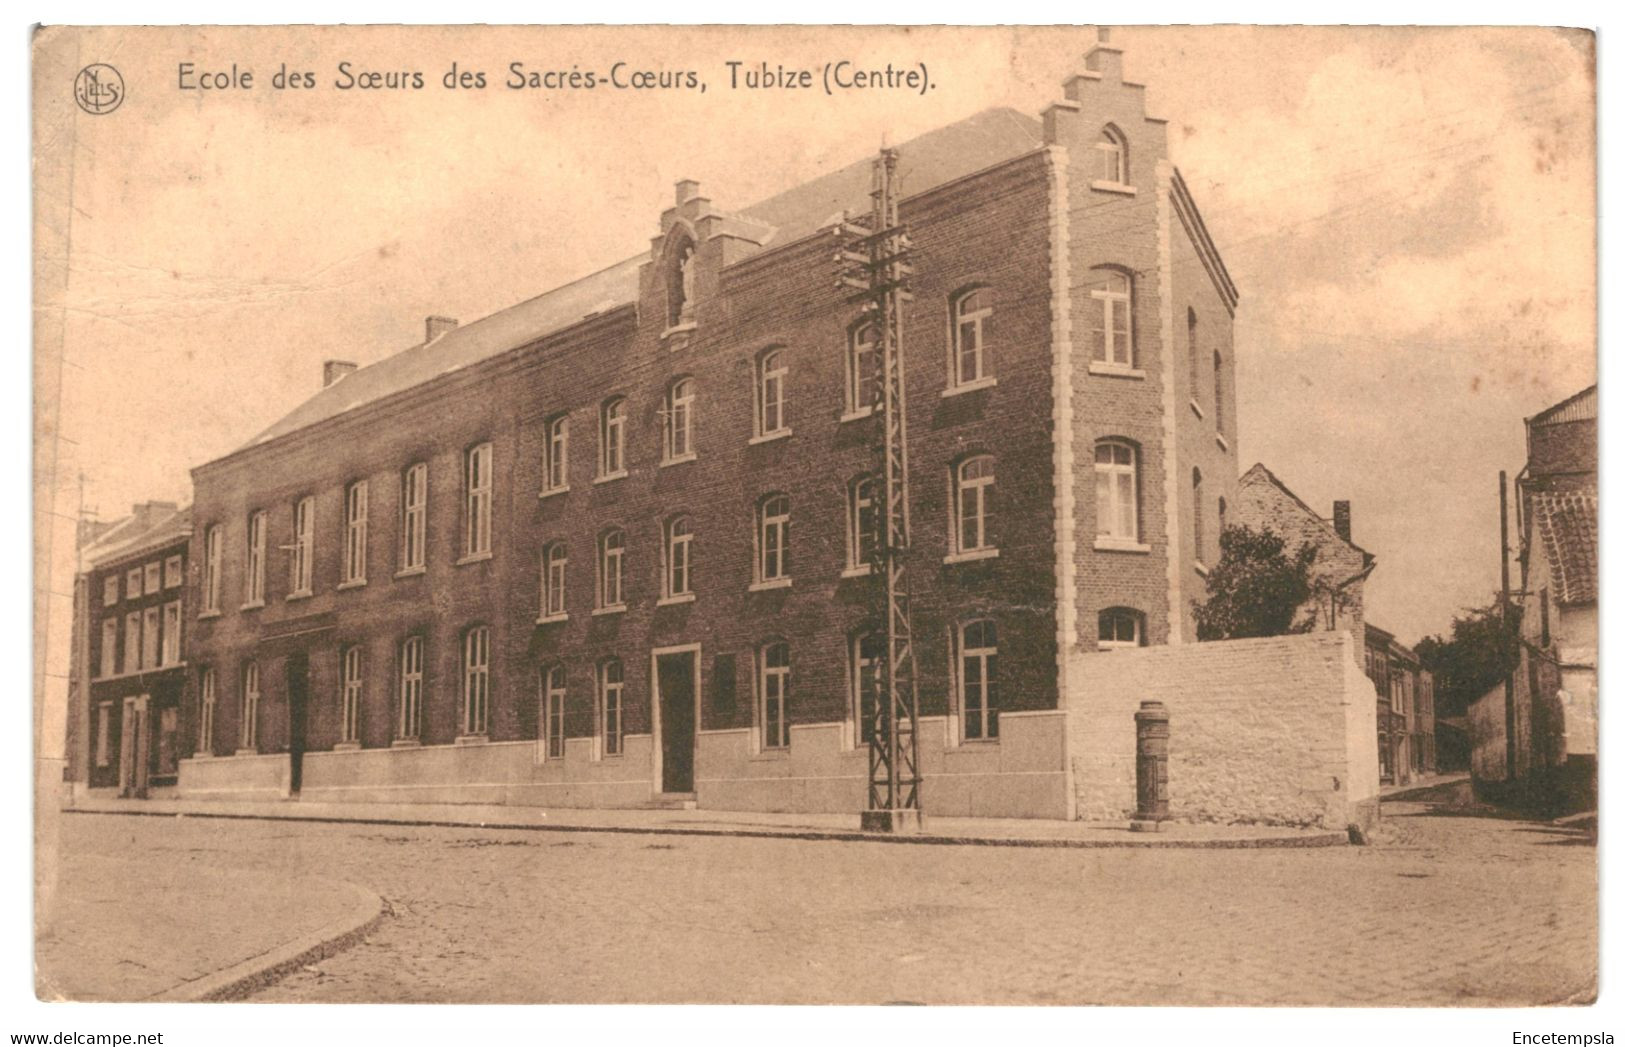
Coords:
1257,588
1474,659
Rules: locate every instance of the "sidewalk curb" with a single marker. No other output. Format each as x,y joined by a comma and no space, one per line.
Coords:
241,979
1326,839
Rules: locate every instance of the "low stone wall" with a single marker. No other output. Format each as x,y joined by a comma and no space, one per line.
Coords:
1278,731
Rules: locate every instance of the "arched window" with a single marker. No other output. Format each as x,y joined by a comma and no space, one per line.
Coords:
350,684
863,522
476,679
774,687
414,513
612,438
970,310
772,373
862,370
477,500
248,736
556,455
1198,533
410,683
611,684
1121,627
973,504
773,539
611,556
978,679
1194,356
867,658
555,558
1117,499
1218,392
1113,334
1112,152
678,580
678,412
552,700
680,283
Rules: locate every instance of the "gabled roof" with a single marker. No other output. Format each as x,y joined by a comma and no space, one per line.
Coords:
1567,523
1582,406
1260,474
933,159
132,536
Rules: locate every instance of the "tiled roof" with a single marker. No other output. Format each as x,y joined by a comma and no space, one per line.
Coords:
1567,522
1579,407
935,158
1260,473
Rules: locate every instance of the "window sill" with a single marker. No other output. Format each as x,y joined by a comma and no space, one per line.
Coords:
669,601
346,747
552,491
862,570
474,558
1115,370
406,743
771,583
252,605
619,608
246,752
776,754
974,743
472,739
679,460
767,438
858,415
1224,445
1201,568
969,387
303,594
610,477
1196,409
971,554
679,328
1107,544
1103,186
551,619
1114,645
412,572
206,615
353,584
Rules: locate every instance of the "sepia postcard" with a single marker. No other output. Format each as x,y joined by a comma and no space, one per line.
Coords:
816,515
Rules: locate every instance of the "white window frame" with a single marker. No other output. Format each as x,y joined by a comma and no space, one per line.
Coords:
862,370
206,703
477,487
1116,347
978,702
174,572
555,565
1110,508
553,685
132,642
170,653
677,441
859,670
150,637
414,515
132,584
969,337
476,681
256,559
152,578
859,506
1194,352
355,533
1119,615
612,570
109,651
301,564
612,438
212,539
249,730
677,577
409,718
772,540
1218,392
110,590
612,706
556,455
351,682
772,393
973,506
773,687
1112,151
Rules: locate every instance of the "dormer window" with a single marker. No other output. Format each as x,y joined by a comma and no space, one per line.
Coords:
1112,154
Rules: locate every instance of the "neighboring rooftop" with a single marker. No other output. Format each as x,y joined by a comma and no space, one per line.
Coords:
149,526
1580,407
933,159
1260,473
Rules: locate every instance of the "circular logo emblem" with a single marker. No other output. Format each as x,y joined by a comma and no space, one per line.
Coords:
98,89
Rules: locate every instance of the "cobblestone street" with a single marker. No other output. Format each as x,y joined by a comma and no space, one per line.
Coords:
1447,907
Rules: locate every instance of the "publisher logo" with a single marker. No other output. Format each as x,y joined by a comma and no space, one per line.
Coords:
99,89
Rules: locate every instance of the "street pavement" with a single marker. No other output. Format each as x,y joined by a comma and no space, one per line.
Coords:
1449,906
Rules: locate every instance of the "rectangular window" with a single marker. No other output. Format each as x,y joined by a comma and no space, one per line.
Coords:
132,642
978,680
554,562
773,538
556,455
775,691
172,633
249,735
153,575
211,569
414,503
350,696
612,438
173,574
477,510
476,679
304,547
256,560
109,660
110,590
611,558
1218,393
205,720
612,682
132,584
355,533
104,734
868,655
553,711
411,698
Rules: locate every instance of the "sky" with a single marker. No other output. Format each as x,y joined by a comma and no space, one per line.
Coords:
1409,216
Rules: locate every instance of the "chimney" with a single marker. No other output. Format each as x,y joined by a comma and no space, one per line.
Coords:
687,189
146,513
1105,59
435,326
333,370
1341,522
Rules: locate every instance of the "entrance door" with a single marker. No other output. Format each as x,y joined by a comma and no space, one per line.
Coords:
676,682
133,748
298,672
